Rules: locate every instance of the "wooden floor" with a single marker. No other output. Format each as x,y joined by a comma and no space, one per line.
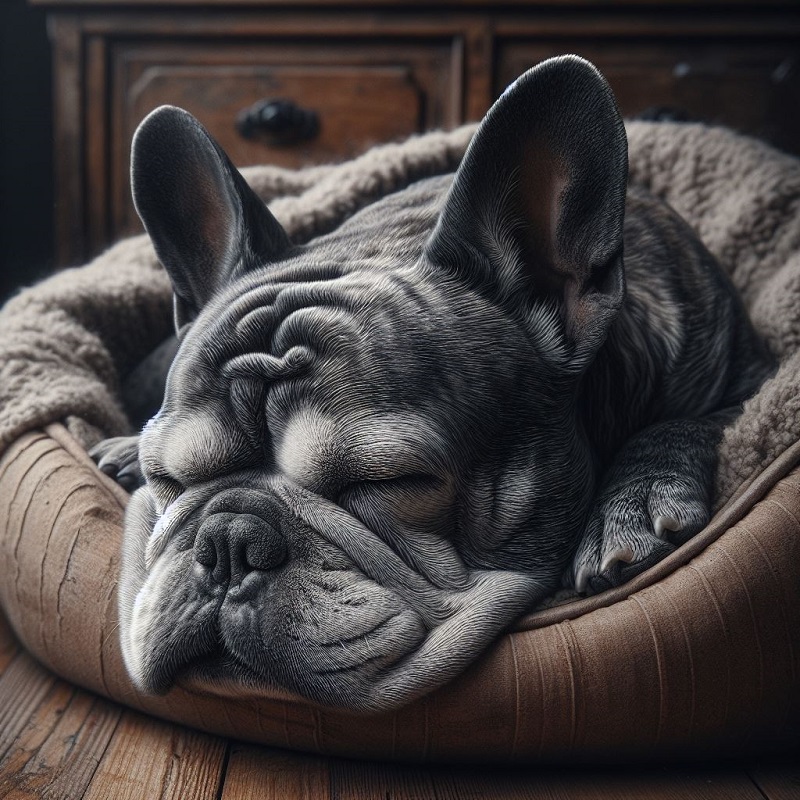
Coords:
57,741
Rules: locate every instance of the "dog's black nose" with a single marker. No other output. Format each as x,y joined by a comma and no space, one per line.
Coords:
232,545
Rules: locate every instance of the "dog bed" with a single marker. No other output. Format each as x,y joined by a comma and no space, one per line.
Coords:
696,656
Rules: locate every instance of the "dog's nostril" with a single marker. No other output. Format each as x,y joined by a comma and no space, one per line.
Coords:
211,548
205,552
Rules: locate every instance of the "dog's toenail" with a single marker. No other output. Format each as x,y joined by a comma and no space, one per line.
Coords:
663,524
620,554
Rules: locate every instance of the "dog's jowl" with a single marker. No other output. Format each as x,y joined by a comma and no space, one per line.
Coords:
377,449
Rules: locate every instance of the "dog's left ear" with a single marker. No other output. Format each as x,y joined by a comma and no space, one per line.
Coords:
536,209
207,225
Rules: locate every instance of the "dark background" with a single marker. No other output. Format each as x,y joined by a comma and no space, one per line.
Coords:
26,157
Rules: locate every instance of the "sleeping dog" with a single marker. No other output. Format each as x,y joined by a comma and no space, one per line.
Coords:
376,450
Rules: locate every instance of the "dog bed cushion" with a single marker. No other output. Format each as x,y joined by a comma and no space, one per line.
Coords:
699,654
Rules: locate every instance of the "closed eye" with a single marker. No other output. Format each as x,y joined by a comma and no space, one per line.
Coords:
415,501
411,484
166,489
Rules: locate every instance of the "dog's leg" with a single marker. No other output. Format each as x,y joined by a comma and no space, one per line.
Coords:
656,496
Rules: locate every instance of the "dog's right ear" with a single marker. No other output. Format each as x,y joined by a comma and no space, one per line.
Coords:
536,210
207,225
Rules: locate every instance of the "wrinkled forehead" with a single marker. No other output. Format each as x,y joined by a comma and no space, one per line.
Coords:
306,312
340,340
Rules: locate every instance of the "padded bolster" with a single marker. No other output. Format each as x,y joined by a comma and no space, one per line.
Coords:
703,661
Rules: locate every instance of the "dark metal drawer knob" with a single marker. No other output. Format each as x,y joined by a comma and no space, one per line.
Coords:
279,122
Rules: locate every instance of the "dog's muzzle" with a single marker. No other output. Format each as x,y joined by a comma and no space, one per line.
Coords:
258,585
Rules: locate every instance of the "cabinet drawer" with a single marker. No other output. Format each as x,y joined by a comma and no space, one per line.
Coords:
753,88
359,93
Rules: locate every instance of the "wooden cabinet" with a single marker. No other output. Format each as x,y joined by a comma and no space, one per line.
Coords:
365,72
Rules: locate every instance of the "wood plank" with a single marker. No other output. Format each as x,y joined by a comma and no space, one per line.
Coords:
497,783
778,780
260,773
23,687
621,783
38,726
56,753
148,758
63,766
353,781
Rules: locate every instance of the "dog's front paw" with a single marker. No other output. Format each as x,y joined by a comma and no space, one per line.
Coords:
119,459
634,525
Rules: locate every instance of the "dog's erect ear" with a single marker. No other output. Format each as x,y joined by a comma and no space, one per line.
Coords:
536,209
208,227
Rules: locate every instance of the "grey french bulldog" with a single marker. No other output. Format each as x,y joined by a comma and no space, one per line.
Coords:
376,450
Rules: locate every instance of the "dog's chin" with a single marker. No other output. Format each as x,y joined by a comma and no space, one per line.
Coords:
347,680
241,651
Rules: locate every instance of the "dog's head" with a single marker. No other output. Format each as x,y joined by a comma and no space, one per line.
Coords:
367,462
